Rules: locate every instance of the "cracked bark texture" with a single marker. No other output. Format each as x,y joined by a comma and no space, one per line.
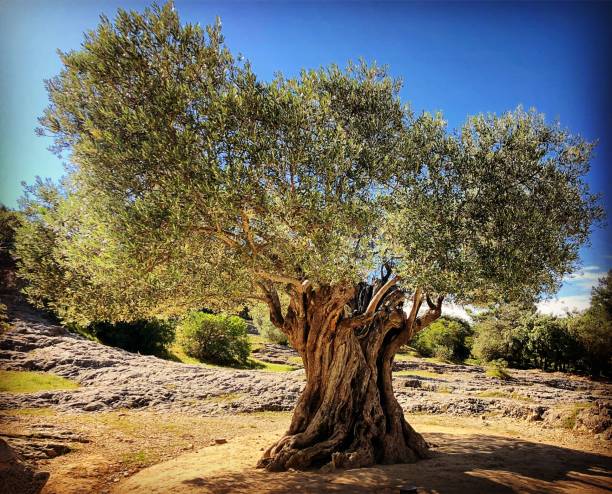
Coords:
347,415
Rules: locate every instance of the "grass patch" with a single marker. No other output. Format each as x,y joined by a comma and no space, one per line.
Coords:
224,398
270,367
503,394
30,412
139,458
257,341
417,373
32,382
498,373
84,332
124,423
443,389
569,421
177,354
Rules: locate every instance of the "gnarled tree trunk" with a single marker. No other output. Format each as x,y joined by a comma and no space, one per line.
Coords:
347,415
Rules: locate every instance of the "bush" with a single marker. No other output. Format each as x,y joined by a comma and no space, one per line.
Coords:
149,337
4,324
261,320
446,339
9,221
214,338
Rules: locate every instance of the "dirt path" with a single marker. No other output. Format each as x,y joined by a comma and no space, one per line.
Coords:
465,460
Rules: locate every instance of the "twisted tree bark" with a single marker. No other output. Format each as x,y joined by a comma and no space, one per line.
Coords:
347,415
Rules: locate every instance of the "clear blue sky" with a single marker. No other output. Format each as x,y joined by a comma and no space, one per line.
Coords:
458,58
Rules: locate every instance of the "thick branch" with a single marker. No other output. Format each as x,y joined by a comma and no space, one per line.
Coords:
434,312
276,311
279,278
378,296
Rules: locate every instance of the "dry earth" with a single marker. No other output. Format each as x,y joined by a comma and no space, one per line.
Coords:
141,424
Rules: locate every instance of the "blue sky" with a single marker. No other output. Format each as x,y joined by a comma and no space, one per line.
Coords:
458,58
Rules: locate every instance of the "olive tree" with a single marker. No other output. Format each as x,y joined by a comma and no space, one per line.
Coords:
193,183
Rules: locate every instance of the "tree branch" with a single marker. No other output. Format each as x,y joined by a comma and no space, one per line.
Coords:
434,312
378,296
276,311
279,278
249,234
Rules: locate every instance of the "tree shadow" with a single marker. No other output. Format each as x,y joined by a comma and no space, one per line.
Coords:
463,464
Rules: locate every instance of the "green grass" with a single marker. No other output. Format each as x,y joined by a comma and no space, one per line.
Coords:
498,373
257,341
504,394
270,367
417,373
569,421
177,354
31,412
140,457
224,398
73,328
32,382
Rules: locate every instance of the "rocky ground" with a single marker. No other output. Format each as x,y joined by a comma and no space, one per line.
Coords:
117,384
112,378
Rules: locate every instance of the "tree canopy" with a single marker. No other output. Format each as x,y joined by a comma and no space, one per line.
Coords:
194,183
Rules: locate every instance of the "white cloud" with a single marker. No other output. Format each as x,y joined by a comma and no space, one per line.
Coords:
449,309
562,305
586,278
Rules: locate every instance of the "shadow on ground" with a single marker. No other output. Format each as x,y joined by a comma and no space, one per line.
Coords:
460,464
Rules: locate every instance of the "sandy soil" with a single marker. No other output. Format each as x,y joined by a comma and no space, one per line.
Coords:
145,452
466,459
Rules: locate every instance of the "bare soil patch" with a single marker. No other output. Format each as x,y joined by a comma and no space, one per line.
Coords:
467,458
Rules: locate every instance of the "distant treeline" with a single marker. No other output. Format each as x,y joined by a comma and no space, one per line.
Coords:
520,337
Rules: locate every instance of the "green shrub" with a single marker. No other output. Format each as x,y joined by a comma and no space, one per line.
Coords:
446,339
149,337
261,320
498,373
219,339
9,222
4,324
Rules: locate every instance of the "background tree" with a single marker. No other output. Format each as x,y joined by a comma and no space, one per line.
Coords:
195,184
593,330
447,339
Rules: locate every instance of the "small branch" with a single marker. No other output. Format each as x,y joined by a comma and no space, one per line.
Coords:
434,312
249,234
